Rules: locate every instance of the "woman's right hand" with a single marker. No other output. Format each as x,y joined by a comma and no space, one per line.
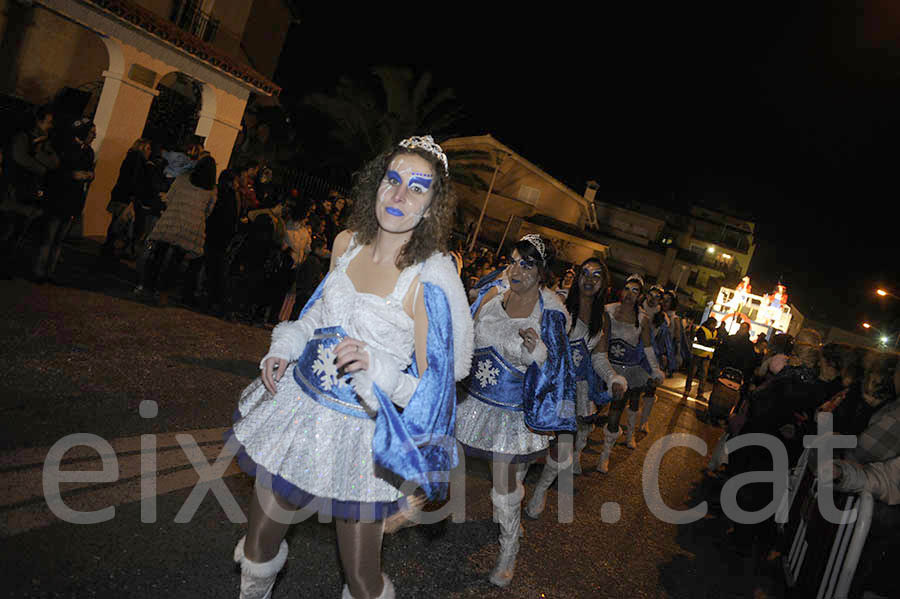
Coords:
273,369
618,391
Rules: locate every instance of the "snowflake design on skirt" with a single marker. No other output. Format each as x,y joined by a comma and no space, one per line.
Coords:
486,374
577,357
617,351
325,368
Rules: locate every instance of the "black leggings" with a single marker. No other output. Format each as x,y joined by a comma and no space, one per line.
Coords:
632,397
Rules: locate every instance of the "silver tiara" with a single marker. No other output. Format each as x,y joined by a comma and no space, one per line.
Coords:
635,277
426,143
538,243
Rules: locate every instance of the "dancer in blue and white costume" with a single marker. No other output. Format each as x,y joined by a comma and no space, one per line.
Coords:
388,328
629,366
522,389
588,337
663,348
584,302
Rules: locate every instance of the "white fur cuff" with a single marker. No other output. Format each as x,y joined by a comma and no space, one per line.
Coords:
618,378
539,355
261,569
288,340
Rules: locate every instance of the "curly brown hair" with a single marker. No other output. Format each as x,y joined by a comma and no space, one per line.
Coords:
431,234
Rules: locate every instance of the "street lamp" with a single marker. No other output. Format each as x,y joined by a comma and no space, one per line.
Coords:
884,338
884,293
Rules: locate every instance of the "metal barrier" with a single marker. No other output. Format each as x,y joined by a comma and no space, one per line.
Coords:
821,557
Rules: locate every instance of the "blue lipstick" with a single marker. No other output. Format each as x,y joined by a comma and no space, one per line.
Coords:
393,211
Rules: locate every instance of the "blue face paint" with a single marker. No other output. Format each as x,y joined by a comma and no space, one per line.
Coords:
393,211
420,184
394,177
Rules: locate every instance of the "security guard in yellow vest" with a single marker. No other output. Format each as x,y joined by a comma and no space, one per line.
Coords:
701,353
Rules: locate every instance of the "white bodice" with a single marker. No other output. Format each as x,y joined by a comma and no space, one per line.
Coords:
494,327
379,322
626,331
581,331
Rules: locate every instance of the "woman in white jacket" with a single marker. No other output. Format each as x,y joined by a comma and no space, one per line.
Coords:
388,328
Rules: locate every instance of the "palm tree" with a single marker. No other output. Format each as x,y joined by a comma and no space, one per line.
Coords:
369,118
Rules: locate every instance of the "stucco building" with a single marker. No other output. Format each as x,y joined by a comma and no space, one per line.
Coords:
116,56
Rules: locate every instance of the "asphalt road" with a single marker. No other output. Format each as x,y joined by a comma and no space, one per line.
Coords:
81,357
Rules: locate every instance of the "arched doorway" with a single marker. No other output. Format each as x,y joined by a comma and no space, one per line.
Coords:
175,112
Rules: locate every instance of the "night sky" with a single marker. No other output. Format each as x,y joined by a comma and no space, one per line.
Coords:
789,111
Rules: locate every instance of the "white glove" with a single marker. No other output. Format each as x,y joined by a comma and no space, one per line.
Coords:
655,373
600,362
289,338
382,371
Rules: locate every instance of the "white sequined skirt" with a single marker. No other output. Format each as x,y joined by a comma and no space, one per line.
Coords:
320,451
491,430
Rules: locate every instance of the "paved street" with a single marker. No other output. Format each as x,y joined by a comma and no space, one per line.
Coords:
83,356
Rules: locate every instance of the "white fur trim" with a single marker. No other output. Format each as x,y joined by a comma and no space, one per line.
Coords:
289,338
618,378
388,593
539,355
552,301
440,270
261,569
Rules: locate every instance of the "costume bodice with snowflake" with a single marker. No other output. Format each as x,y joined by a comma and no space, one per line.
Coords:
625,346
582,345
500,359
381,323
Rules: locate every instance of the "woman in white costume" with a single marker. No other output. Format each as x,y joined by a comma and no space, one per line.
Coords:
522,389
588,337
388,327
629,367
585,300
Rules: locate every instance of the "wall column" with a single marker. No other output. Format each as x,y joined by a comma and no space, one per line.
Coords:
120,119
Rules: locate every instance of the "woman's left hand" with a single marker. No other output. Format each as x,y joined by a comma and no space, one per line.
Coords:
351,355
529,338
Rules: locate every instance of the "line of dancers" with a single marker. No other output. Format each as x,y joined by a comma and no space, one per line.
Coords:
357,399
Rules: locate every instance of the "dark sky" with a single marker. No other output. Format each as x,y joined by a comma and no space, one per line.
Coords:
791,110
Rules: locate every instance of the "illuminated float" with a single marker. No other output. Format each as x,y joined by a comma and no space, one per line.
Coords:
766,314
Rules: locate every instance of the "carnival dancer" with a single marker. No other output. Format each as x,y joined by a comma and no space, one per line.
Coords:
521,390
670,305
626,371
663,347
388,328
585,303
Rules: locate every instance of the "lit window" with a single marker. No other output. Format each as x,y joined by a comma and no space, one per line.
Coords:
711,250
726,256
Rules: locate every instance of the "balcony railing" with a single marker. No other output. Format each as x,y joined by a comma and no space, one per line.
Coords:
186,14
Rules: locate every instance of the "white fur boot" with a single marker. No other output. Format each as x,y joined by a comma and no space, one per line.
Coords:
387,593
258,578
609,439
538,500
582,432
632,425
509,513
645,413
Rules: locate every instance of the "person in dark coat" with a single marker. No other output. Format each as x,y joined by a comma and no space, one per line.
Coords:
132,181
67,194
30,162
221,226
310,273
737,351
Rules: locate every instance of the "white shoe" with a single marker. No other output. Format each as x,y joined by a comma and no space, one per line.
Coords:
509,514
258,578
